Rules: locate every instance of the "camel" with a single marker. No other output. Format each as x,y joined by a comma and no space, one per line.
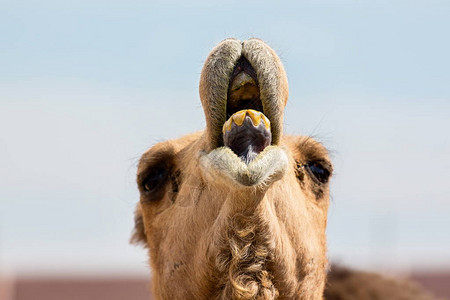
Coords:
239,210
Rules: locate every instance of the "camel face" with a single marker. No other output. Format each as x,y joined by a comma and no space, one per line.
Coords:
239,210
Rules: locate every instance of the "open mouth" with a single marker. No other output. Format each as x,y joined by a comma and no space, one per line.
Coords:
241,84
247,131
244,90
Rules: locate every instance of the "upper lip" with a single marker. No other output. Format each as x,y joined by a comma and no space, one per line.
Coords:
229,59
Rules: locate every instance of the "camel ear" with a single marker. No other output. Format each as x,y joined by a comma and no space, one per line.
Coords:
138,236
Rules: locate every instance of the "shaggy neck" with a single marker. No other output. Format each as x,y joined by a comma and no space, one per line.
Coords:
244,247
251,256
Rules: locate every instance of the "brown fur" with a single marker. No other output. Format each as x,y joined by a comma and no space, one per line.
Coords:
344,284
217,228
205,246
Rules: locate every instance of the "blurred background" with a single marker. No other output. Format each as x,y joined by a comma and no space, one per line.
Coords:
87,86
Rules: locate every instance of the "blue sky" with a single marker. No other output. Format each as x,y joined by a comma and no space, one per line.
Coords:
87,86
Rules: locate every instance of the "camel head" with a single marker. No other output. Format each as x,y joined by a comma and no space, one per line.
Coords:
239,210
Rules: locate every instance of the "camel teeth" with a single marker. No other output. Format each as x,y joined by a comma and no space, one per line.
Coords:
266,121
239,117
255,116
227,125
230,124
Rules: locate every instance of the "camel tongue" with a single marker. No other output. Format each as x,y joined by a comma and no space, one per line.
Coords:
247,133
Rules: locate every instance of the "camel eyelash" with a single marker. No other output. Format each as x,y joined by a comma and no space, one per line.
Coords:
319,171
299,170
154,180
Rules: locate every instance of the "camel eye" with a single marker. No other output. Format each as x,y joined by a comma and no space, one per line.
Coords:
154,180
319,172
